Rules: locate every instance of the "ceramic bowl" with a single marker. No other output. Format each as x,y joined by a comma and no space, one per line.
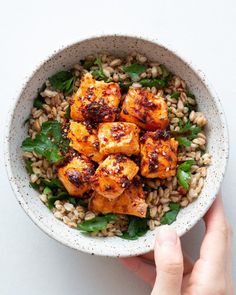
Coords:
66,58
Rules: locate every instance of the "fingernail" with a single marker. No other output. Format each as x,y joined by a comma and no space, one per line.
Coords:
166,236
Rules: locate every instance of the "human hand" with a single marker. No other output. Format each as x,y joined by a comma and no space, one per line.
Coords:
176,274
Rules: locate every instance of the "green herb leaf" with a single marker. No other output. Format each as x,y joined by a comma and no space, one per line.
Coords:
52,184
28,166
53,198
175,95
39,101
170,216
124,85
187,131
63,81
165,71
183,173
67,114
134,70
34,185
190,94
52,129
137,228
98,73
48,142
158,83
183,141
97,223
87,64
77,201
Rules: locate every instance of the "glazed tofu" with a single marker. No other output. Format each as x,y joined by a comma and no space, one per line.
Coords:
118,137
95,100
145,109
131,202
158,155
75,176
83,138
114,175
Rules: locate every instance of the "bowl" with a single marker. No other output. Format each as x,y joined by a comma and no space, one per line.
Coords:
66,58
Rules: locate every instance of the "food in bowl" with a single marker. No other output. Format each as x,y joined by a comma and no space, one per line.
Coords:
116,145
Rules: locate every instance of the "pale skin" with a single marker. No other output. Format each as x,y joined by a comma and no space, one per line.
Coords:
169,272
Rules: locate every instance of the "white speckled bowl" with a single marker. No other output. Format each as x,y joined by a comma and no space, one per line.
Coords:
66,58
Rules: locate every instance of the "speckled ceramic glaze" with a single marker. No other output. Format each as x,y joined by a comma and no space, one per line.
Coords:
66,58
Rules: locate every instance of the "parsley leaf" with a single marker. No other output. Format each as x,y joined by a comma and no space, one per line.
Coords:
186,133
170,216
63,81
134,70
183,141
175,95
97,223
158,83
183,173
98,73
28,166
137,228
47,142
87,64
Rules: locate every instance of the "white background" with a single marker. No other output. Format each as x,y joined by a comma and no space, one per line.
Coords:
201,31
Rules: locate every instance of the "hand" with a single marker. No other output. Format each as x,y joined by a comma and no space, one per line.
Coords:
175,273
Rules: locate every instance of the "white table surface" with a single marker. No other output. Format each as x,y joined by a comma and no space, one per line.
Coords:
201,31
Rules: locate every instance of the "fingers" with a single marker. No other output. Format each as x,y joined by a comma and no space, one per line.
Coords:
169,262
213,267
138,265
214,246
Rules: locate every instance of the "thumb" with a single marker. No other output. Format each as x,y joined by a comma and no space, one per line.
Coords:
169,262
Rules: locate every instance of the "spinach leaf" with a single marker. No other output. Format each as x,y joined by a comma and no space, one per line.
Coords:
170,216
183,173
97,223
134,70
47,142
175,95
158,83
63,81
52,184
77,201
28,166
137,228
53,198
98,73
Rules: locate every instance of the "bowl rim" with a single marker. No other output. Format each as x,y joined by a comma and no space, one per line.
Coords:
19,90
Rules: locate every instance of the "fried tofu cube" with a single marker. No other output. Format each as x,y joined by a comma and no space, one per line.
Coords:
118,137
148,111
158,155
95,100
114,175
83,138
131,202
75,176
